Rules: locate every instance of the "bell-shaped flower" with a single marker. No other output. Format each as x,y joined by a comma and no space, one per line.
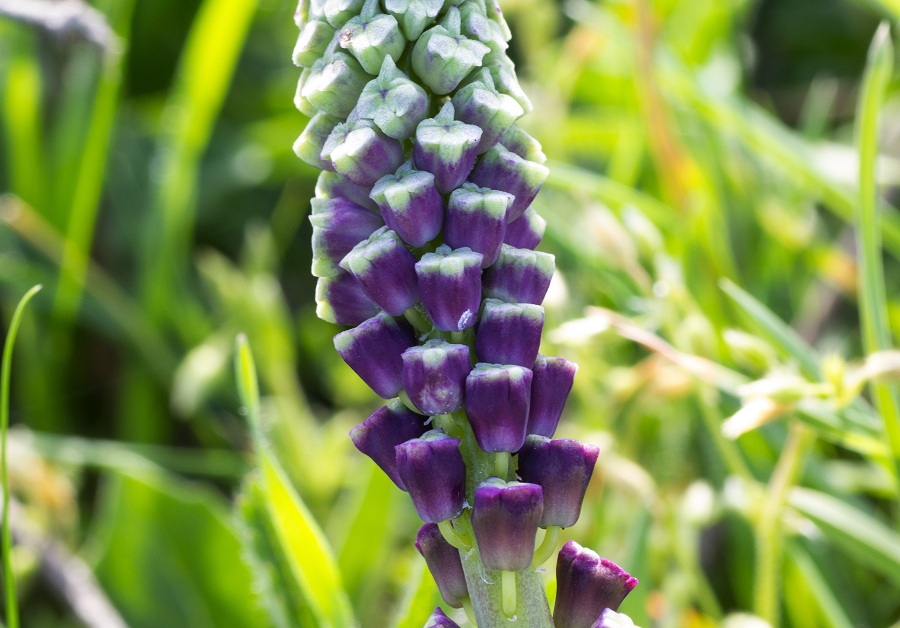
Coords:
522,144
519,275
386,270
373,350
446,148
563,469
505,519
371,36
341,300
388,427
586,585
443,56
444,564
433,471
497,400
361,152
410,204
509,333
335,83
338,225
331,185
553,380
526,231
434,376
480,104
477,218
450,287
393,102
500,169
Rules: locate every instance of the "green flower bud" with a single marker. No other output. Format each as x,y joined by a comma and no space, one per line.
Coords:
393,102
443,57
371,36
413,15
308,146
300,101
337,12
314,38
479,104
335,83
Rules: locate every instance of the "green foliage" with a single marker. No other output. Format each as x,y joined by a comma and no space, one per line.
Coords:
704,193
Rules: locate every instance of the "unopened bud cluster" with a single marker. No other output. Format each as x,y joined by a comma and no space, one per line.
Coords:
423,244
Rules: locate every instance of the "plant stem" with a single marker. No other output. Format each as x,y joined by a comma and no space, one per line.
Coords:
876,333
769,538
9,580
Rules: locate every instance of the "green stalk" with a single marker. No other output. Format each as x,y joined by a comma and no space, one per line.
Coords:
769,533
876,333
9,580
485,587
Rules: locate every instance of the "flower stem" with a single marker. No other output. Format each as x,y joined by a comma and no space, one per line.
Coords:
508,588
453,537
547,547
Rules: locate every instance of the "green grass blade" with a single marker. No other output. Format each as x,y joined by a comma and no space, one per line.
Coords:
302,542
9,581
204,74
419,598
876,333
863,537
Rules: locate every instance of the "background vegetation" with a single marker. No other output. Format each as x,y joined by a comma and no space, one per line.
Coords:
703,206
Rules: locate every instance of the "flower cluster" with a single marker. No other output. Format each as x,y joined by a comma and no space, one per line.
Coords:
423,244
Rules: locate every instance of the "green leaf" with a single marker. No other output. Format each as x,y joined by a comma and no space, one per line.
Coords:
280,594
419,599
862,536
298,537
169,555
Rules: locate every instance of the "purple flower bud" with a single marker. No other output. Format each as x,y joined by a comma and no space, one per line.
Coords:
481,105
433,471
519,276
386,270
611,619
338,225
314,38
341,300
393,102
563,469
442,56
388,427
516,140
434,376
553,379
446,148
439,620
497,399
413,15
500,169
371,36
337,12
444,564
526,231
509,333
410,204
335,83
373,351
450,286
477,218
505,520
361,152
308,146
586,585
334,185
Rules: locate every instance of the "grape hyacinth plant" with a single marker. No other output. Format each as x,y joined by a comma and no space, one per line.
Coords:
423,246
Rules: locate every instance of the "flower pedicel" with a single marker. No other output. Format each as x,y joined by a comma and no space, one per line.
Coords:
423,245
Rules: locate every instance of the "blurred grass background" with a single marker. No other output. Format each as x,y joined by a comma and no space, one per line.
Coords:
702,207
